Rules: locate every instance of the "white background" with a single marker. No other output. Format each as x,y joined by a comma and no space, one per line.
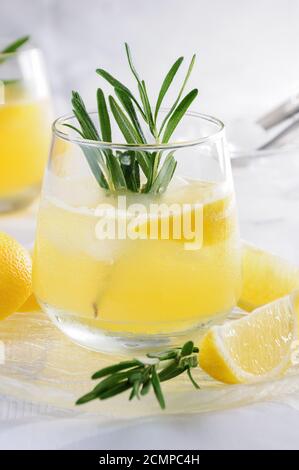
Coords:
248,61
247,50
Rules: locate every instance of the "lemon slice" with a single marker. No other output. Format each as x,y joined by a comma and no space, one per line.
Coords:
255,347
15,275
265,278
183,223
206,224
30,305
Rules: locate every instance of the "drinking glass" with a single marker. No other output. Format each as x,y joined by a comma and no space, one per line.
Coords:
25,126
121,270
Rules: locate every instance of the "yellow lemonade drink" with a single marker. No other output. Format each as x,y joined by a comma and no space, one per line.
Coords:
24,141
141,286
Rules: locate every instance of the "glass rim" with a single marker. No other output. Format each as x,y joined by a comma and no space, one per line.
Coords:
146,147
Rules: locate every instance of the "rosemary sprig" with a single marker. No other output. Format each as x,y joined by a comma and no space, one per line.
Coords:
123,170
13,47
140,376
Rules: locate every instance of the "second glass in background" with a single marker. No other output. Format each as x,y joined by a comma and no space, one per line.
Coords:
25,125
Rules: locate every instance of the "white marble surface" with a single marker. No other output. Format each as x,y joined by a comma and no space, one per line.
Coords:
264,426
247,62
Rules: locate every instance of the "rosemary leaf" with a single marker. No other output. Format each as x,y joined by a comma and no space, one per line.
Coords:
175,373
116,390
125,126
117,177
93,156
190,68
192,379
178,114
165,174
116,172
117,84
74,129
165,355
132,394
157,388
166,84
142,92
14,46
96,163
130,168
132,67
88,127
147,108
187,349
146,387
129,133
115,368
10,49
168,370
126,101
10,81
86,398
112,380
103,116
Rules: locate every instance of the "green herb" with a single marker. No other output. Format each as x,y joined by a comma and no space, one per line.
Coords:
123,170
140,376
13,47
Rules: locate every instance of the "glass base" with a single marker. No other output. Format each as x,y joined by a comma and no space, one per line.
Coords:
19,200
113,342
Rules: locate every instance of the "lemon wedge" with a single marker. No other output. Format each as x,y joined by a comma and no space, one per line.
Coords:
183,224
30,305
266,277
255,347
15,275
205,224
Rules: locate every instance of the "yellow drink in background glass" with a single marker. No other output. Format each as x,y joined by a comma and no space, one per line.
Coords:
24,140
25,127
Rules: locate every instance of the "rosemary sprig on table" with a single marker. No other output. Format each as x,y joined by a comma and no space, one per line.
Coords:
134,170
140,376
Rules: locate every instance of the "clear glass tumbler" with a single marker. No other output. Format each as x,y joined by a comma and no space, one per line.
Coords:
120,270
25,126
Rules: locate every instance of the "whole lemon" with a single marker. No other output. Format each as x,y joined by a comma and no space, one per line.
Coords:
15,275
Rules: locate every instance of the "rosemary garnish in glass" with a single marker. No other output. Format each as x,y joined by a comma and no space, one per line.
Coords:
10,49
140,376
135,170
14,46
